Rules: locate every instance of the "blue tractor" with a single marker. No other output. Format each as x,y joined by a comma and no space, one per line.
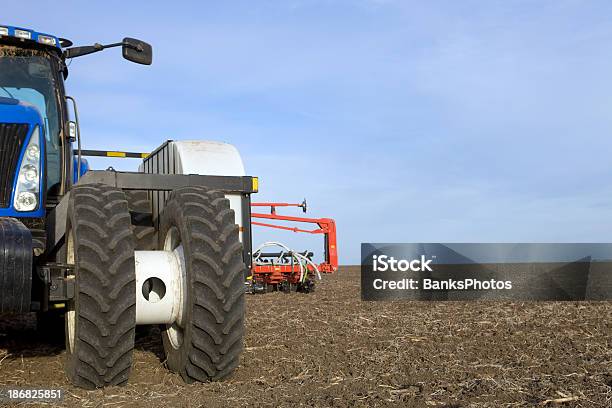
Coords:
95,253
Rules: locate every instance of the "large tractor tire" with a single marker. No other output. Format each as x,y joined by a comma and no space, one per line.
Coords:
101,319
206,341
142,224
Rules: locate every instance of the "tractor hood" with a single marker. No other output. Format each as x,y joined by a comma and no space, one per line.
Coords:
21,127
15,111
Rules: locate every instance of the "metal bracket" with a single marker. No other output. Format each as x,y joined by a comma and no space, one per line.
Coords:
59,281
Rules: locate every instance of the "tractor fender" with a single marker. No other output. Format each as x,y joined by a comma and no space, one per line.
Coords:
78,171
15,266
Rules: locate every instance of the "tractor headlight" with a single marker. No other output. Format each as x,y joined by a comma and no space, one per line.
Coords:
28,180
25,34
33,152
45,39
29,177
26,201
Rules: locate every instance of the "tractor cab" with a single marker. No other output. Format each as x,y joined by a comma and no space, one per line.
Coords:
36,134
32,111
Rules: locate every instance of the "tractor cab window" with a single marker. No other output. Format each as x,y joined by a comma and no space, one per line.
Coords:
27,75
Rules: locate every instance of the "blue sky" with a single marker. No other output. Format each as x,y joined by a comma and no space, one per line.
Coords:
430,121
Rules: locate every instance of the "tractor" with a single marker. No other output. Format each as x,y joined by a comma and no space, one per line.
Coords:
94,253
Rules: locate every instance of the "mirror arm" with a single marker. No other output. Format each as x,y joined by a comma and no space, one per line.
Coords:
98,47
80,51
110,45
120,44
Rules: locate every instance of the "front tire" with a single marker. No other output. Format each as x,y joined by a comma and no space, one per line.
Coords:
206,342
101,319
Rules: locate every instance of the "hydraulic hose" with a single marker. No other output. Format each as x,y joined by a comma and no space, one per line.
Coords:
301,259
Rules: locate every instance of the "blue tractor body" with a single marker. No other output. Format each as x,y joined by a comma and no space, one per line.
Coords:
13,111
38,165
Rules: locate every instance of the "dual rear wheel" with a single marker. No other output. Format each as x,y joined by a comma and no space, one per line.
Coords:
205,340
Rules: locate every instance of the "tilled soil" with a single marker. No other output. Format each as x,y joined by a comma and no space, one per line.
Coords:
329,348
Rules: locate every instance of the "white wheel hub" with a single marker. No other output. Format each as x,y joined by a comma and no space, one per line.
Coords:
70,313
160,277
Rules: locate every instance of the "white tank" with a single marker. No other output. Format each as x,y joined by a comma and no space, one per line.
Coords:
204,157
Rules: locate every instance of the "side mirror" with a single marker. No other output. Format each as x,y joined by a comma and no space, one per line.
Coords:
137,51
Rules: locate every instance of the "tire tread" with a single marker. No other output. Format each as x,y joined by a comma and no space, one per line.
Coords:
215,344
105,305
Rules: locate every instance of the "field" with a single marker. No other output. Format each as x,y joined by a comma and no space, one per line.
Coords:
329,348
